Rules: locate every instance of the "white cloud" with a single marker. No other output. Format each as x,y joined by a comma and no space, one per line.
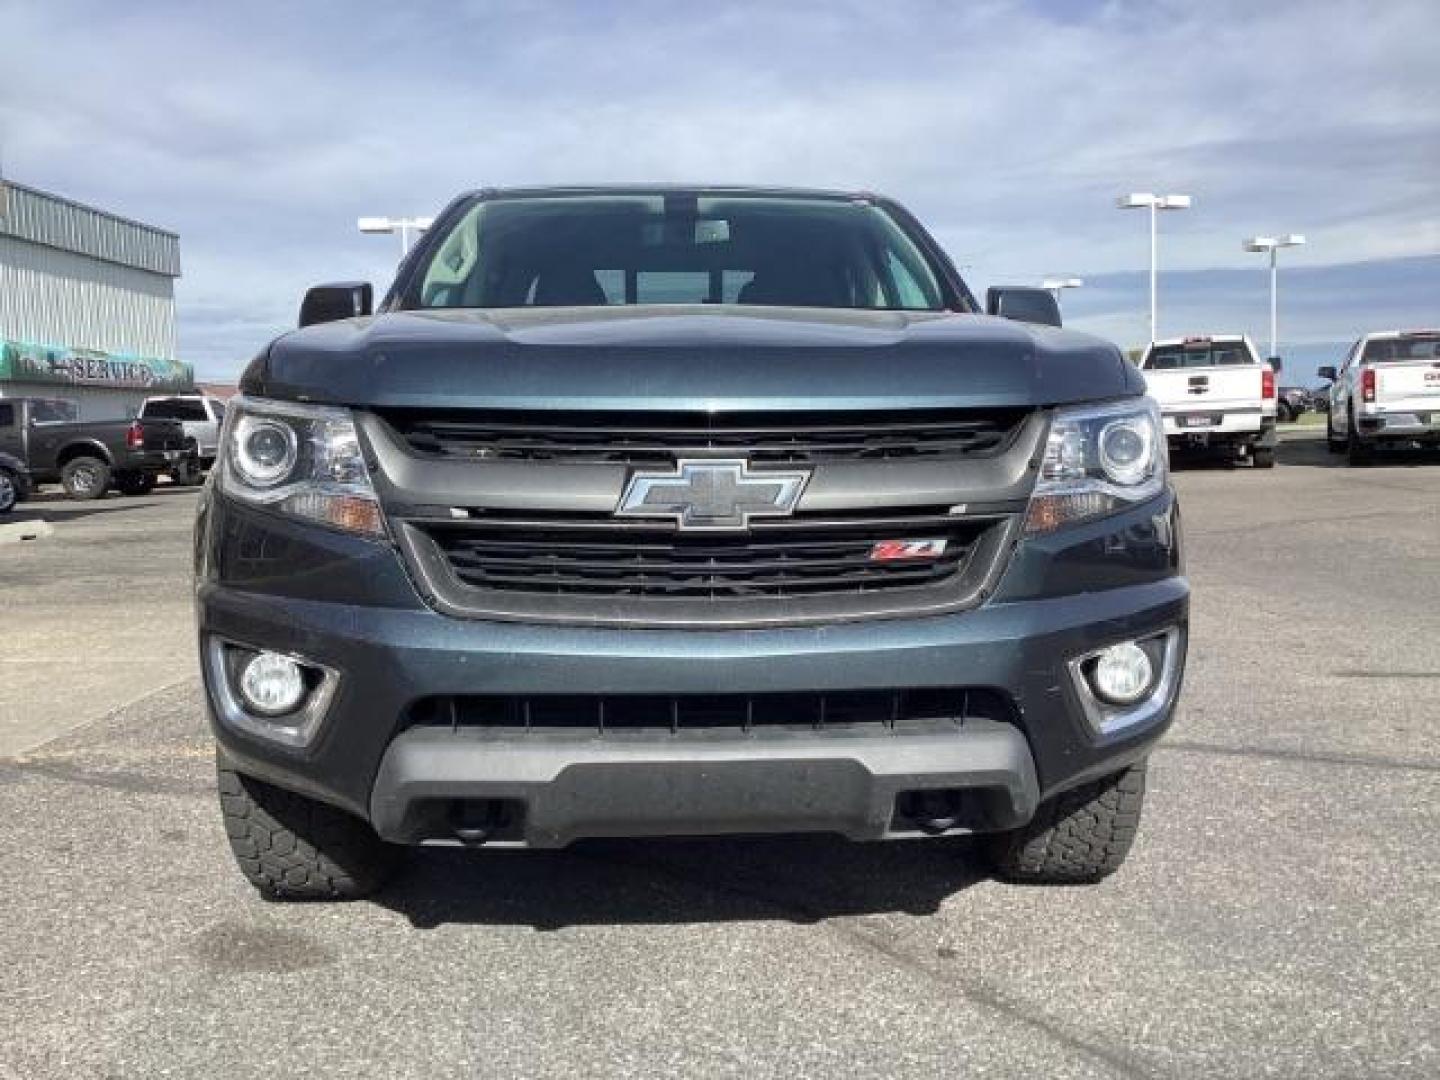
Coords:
260,133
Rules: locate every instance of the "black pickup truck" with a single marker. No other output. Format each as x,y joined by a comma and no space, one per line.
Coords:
676,511
88,457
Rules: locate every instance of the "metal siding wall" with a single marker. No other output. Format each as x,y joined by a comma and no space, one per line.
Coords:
54,297
58,223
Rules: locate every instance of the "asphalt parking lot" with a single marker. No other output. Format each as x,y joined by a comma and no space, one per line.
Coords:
1277,917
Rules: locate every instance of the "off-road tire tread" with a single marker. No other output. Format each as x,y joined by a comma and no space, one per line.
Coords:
293,848
1078,837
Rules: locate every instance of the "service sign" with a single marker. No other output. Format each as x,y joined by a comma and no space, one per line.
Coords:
52,364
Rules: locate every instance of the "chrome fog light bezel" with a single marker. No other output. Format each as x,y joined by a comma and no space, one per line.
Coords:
1107,718
296,729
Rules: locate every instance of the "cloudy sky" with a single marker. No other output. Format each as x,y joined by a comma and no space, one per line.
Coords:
260,133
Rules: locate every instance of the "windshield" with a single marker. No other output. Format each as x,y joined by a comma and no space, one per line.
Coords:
1198,355
677,248
1391,350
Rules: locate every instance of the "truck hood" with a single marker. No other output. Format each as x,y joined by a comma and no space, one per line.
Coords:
687,358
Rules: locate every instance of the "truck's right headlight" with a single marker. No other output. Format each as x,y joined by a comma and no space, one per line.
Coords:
1099,459
301,460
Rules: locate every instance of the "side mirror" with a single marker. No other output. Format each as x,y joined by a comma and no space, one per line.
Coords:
342,300
1328,372
1277,365
1023,304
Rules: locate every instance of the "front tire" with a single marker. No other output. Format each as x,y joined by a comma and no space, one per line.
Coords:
1263,457
85,478
1079,837
293,848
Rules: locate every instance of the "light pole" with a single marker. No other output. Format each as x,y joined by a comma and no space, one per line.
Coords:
404,226
1272,244
1056,284
1155,203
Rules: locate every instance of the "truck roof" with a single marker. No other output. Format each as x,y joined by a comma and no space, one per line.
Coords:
740,190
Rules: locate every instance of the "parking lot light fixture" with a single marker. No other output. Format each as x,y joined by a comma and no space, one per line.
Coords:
1145,200
1272,244
404,226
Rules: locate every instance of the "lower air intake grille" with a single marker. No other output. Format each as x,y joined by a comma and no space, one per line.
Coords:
926,708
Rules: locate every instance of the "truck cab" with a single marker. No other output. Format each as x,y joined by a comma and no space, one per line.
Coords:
1215,394
1386,390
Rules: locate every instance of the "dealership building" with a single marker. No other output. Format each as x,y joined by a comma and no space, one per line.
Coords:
87,305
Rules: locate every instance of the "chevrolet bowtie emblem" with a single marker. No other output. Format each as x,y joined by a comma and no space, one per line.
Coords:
712,494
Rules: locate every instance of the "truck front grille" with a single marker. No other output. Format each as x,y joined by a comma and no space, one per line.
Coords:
796,558
659,438
511,515
905,710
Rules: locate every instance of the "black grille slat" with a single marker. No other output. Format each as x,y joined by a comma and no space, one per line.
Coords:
834,711
692,585
824,560
626,546
575,522
708,564
644,439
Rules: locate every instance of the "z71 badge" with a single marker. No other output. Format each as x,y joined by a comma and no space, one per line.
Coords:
891,550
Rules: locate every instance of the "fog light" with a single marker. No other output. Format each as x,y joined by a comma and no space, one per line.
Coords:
1122,674
271,684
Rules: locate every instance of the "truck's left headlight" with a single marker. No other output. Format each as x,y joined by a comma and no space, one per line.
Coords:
1099,459
301,460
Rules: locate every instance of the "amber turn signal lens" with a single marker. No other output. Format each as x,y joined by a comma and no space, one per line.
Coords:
354,514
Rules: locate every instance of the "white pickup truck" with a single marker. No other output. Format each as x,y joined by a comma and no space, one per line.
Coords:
1387,390
1214,393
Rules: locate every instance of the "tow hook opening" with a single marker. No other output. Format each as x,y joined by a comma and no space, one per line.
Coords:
476,821
935,811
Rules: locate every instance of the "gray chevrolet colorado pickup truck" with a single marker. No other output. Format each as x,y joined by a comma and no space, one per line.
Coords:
684,511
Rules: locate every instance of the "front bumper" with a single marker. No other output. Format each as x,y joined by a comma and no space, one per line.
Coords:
348,604
560,792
